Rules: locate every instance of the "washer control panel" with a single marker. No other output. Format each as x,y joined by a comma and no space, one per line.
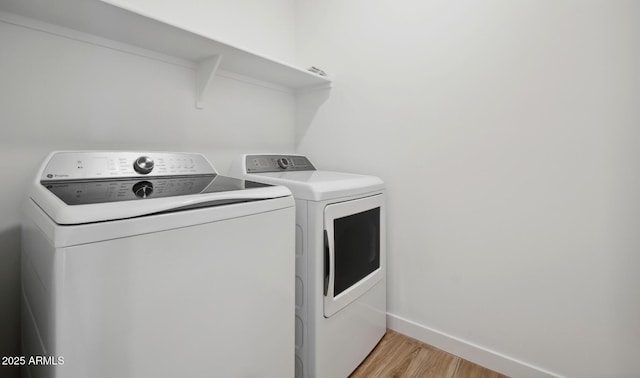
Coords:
85,165
277,163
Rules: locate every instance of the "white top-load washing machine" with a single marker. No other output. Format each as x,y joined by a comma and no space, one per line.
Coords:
149,264
340,260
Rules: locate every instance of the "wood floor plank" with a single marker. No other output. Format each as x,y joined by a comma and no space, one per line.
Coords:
390,358
432,362
400,356
468,369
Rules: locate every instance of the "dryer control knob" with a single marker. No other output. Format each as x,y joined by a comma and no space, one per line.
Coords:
283,162
143,189
143,165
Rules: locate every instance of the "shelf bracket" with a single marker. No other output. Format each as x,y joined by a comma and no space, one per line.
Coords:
205,71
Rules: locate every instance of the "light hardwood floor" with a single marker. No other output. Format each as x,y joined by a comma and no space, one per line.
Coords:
398,356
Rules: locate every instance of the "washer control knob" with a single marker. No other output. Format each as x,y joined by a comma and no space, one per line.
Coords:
143,165
143,189
283,162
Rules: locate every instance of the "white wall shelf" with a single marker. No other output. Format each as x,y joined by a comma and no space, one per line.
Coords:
98,18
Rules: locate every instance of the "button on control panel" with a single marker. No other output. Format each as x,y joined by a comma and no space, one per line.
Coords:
143,165
283,163
277,163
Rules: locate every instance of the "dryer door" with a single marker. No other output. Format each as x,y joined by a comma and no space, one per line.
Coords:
354,250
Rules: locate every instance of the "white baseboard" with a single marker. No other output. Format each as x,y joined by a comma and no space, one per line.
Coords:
461,348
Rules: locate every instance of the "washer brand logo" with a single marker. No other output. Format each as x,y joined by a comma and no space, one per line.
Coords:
49,175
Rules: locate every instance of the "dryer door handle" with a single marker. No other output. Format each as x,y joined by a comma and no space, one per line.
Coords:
327,263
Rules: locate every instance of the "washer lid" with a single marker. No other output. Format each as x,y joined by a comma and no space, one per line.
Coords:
111,200
91,192
321,185
86,187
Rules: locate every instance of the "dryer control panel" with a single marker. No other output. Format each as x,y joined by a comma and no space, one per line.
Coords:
277,163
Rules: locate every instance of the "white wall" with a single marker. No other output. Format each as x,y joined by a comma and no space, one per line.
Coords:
57,93
263,27
508,135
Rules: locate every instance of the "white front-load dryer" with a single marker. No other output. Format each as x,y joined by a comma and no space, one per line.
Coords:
150,264
340,260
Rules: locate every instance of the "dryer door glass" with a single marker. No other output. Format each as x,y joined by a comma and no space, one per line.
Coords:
357,247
